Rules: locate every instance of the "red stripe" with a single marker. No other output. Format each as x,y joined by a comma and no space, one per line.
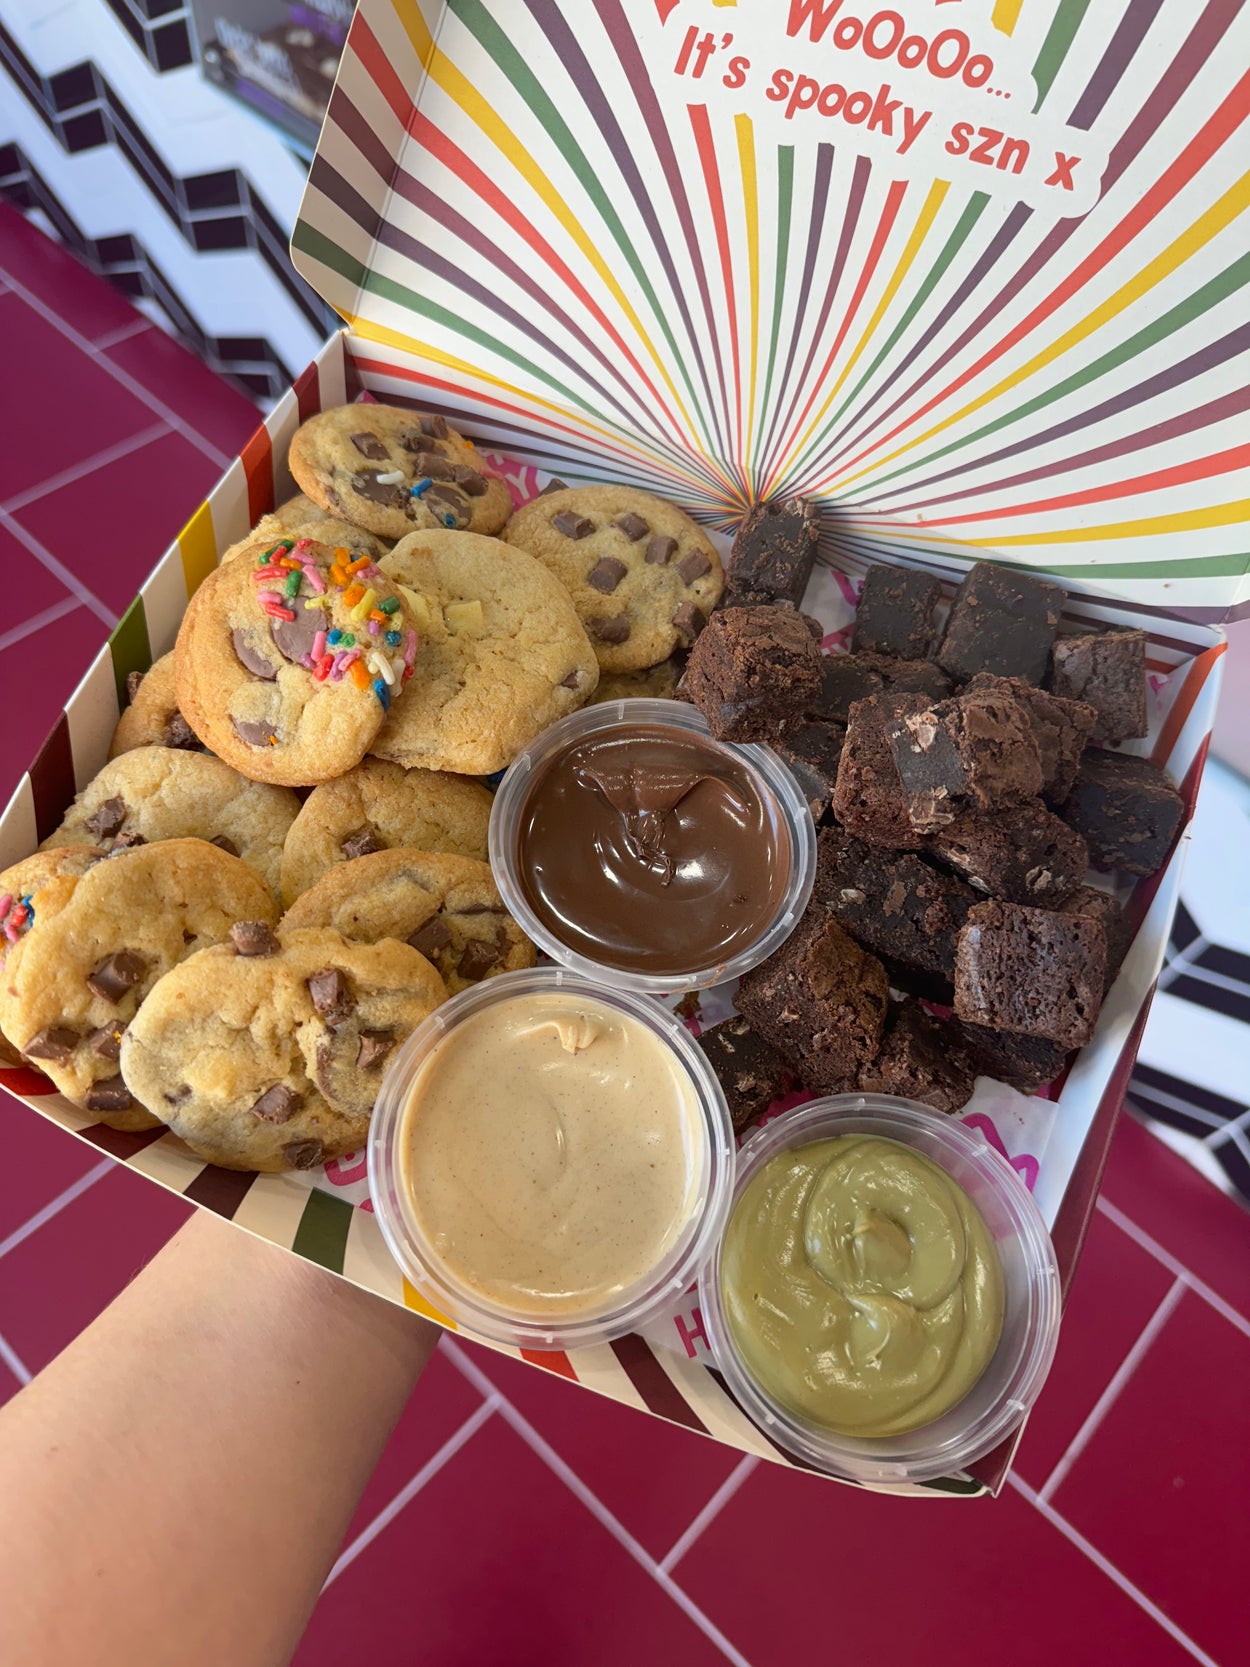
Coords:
257,459
122,1143
220,1190
706,147
52,779
552,1361
307,392
25,1082
1187,696
386,79
659,1393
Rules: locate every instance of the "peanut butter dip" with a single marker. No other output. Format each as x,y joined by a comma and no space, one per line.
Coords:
553,1150
861,1285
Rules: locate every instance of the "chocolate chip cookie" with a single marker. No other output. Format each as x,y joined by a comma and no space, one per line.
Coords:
153,793
447,907
655,683
152,718
392,471
299,517
377,807
22,902
288,660
70,987
267,1053
642,575
503,654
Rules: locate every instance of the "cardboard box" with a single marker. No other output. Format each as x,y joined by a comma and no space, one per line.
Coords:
602,261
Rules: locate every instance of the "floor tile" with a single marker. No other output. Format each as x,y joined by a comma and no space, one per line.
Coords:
60,280
654,1477
37,1162
495,1561
792,1558
59,1279
55,432
1117,1289
28,587
110,527
201,398
1161,1489
38,673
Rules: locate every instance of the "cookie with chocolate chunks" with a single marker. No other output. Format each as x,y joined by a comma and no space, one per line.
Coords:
643,576
27,890
152,718
273,1062
300,517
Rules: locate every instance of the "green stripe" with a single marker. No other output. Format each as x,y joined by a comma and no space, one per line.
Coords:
321,1236
130,647
785,203
1063,28
1169,566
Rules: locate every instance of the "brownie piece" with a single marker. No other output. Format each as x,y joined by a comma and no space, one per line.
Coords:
753,672
820,1000
1003,621
1107,670
975,751
749,1069
1026,1063
775,549
896,612
868,798
919,1059
812,751
1031,970
1022,854
846,678
1126,809
1102,906
1061,727
895,905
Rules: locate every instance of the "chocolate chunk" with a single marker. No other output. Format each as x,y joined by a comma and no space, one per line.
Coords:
1021,853
613,630
477,958
117,974
921,1060
693,565
224,844
109,1095
896,612
1060,727
332,996
104,822
437,426
107,1041
469,481
177,733
304,1154
253,937
689,619
555,484
1126,809
775,548
572,681
126,841
1032,971
277,1104
433,465
606,574
633,526
369,445
133,680
251,658
975,751
572,525
661,549
258,733
448,505
749,1069
431,936
1107,670
373,1049
293,638
868,799
1001,621
393,496
753,672
54,1043
363,843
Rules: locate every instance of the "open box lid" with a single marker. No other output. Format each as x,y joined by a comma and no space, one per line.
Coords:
969,271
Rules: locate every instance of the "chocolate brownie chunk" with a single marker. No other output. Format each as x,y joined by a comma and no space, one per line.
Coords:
1126,809
1061,728
775,549
1107,669
1022,854
846,678
1031,970
1003,621
975,751
820,1001
919,1059
1102,906
868,797
896,612
749,1069
1026,1063
753,672
812,751
896,906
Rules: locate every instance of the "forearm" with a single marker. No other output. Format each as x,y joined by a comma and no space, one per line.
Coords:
174,1487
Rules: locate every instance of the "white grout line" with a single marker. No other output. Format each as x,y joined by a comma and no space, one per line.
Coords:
543,1450
56,1205
1228,1131
14,1362
427,1472
1102,1406
123,333
1153,1248
1180,962
1109,1569
710,1511
36,622
130,383
1148,1096
71,581
100,460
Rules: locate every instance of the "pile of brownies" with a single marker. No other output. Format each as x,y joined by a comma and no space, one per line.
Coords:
960,777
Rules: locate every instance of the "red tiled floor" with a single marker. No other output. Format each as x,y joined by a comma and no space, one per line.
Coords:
495,1561
652,1476
212,407
111,526
61,282
39,1162
1162,1486
9,1385
38,673
28,587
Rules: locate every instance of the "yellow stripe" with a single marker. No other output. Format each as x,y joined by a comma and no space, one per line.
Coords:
414,1300
414,26
1209,225
197,544
751,216
1184,521
1006,14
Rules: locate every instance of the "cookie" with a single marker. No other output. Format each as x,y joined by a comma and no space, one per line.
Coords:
72,985
377,807
447,907
642,575
287,660
655,683
268,1053
503,654
22,902
393,471
154,793
299,517
152,718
